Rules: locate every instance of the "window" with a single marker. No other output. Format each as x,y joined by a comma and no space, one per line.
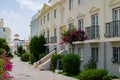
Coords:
44,19
94,26
48,34
80,1
116,14
94,54
55,11
71,50
80,24
41,21
80,52
3,29
55,33
116,55
71,25
116,21
94,19
48,16
70,4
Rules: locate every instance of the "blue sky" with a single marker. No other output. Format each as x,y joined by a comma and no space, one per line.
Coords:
17,15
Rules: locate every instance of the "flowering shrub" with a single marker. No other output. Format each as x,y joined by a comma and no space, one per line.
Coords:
5,67
73,35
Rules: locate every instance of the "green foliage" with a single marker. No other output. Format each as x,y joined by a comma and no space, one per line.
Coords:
9,54
1,50
71,63
109,77
2,41
6,47
25,57
3,44
90,65
54,59
32,59
20,49
93,74
42,55
37,46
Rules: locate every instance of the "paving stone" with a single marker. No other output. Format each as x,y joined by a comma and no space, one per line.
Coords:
25,71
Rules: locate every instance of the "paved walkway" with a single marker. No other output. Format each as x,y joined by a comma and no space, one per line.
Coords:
25,71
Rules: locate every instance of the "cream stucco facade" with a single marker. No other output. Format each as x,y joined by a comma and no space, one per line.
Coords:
99,18
5,32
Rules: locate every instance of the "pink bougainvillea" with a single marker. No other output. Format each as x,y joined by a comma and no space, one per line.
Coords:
73,35
5,67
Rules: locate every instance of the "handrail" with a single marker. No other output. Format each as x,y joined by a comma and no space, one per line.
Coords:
53,51
60,52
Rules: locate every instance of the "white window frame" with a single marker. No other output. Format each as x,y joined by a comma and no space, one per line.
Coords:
81,53
116,55
48,16
55,13
80,24
116,18
94,23
44,19
95,53
71,25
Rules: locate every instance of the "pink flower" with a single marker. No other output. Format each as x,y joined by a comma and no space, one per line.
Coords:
6,75
8,66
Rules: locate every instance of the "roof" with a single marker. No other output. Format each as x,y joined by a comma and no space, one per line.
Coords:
16,35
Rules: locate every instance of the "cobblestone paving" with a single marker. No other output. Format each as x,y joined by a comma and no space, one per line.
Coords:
25,71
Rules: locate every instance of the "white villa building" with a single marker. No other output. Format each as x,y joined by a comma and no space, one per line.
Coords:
5,32
99,18
34,25
18,42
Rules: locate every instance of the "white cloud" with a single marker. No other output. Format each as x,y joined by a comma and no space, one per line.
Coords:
29,4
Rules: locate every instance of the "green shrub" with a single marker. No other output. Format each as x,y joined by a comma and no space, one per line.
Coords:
90,65
109,77
25,57
93,74
1,50
9,54
54,59
42,55
32,59
71,63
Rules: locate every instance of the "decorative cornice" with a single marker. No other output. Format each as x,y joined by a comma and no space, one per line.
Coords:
80,15
70,19
114,2
94,9
48,8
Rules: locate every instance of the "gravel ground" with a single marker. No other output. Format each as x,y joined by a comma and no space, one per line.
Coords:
25,71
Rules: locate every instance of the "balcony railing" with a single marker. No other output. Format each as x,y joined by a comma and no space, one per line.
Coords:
113,29
92,32
53,39
47,40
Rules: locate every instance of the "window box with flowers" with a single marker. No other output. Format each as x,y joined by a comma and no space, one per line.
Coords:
73,35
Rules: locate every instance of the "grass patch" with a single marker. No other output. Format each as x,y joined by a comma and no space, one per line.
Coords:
74,76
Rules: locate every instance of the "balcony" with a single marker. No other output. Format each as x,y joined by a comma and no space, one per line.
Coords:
92,32
47,40
53,39
113,29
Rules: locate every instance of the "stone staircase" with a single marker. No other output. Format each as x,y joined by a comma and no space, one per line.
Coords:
44,63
